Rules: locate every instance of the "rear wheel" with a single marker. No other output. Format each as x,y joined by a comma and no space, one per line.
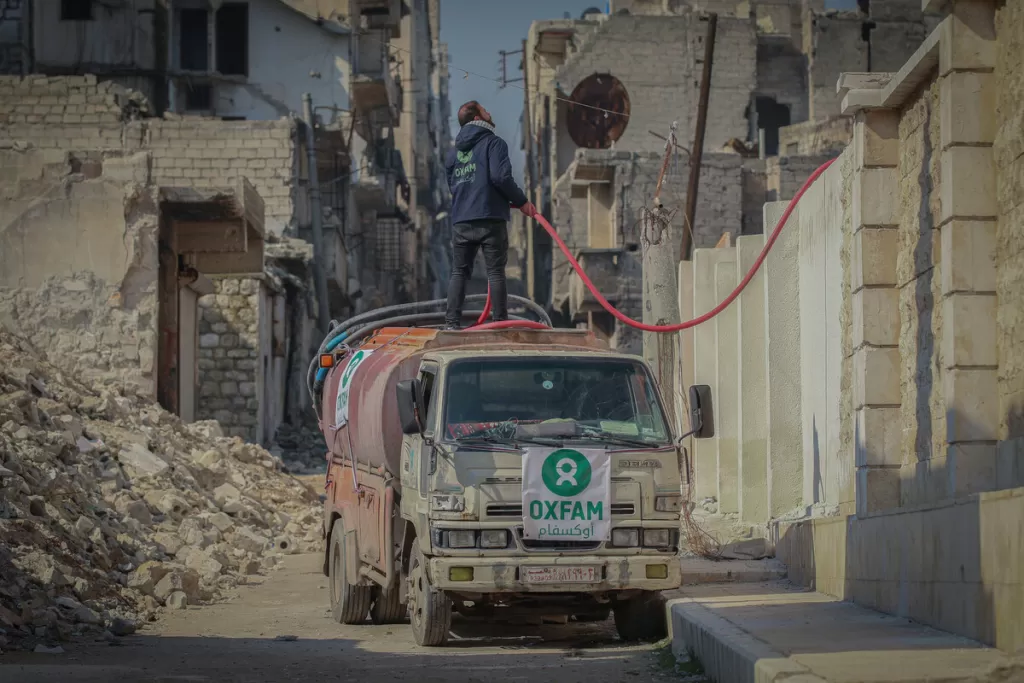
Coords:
388,607
349,604
430,610
641,618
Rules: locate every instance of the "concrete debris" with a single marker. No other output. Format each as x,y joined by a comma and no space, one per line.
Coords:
112,509
301,448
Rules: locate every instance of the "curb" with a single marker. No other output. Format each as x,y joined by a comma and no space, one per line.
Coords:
728,653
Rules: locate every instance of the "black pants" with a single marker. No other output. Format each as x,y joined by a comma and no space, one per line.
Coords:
467,239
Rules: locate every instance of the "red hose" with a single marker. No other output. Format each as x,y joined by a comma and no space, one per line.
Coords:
487,308
622,317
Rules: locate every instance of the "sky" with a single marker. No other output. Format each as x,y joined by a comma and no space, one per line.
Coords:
476,30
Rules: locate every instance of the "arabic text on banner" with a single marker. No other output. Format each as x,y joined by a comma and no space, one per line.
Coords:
566,494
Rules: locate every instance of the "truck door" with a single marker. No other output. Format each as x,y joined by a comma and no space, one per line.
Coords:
416,452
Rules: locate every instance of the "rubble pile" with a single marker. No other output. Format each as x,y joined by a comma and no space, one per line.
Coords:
111,509
301,448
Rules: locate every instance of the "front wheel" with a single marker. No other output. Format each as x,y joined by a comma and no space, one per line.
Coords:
430,610
349,604
641,618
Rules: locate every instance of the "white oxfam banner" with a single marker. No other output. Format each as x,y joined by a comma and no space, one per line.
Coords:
566,494
345,387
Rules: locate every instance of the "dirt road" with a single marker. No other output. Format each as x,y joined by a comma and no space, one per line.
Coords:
239,641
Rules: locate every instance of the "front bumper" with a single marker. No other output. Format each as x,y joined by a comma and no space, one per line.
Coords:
502,574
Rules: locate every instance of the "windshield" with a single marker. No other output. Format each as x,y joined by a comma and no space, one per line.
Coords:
613,397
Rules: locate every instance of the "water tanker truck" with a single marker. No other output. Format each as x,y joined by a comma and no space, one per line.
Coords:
518,474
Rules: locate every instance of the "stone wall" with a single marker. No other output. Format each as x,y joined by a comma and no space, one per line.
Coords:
75,113
918,278
1008,151
78,264
786,175
814,138
229,356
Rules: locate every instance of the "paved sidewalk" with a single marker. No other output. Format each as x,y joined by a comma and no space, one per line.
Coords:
773,632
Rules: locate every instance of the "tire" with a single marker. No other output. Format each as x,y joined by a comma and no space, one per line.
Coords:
641,618
430,610
387,606
349,604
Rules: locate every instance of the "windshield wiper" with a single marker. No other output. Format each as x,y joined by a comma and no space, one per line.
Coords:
488,439
614,438
483,439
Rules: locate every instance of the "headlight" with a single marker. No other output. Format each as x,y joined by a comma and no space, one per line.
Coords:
657,538
626,538
494,538
668,503
461,538
447,502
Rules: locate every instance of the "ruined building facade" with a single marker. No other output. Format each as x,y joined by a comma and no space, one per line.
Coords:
775,68
178,174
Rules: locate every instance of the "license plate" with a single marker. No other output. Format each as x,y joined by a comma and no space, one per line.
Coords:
560,574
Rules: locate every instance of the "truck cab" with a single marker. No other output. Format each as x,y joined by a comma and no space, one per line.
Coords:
533,483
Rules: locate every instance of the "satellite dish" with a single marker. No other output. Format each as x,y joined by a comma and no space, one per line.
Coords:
599,112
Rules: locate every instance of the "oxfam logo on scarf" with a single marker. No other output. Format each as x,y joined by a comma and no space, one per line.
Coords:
566,472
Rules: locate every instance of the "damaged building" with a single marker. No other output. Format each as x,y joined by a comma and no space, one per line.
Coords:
605,90
157,214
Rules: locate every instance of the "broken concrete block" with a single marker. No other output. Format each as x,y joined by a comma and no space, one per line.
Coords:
178,579
177,600
147,576
139,461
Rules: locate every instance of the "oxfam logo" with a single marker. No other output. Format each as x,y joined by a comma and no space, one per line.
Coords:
566,472
464,157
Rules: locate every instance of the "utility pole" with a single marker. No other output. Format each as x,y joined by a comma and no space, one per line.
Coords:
660,291
697,151
319,277
505,80
528,178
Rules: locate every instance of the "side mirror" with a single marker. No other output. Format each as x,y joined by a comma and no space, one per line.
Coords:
702,412
407,391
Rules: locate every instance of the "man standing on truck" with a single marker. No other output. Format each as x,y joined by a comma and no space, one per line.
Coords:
480,179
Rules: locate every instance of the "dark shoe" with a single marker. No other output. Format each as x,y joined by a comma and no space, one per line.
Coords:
452,327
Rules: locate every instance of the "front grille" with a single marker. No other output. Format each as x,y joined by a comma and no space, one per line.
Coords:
515,510
501,510
560,546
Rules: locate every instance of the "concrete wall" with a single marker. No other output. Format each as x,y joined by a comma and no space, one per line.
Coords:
930,242
85,115
122,37
305,58
656,59
78,264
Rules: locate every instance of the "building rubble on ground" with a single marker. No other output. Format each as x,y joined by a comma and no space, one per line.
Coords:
156,215
772,119
113,509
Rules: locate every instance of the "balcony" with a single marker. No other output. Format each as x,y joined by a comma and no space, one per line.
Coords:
375,87
375,183
377,14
